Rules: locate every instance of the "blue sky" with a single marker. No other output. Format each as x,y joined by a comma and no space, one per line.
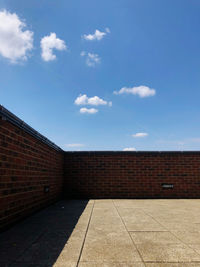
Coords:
53,63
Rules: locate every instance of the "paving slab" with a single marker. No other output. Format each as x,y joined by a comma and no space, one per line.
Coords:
153,238
144,226
103,246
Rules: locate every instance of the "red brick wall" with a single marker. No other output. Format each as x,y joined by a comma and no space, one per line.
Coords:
27,165
132,174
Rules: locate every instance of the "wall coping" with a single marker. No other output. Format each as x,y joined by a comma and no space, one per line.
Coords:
109,152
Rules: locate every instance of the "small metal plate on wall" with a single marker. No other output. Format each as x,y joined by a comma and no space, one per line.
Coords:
46,189
167,186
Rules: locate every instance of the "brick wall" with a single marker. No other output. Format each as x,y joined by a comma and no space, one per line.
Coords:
132,174
27,167
30,164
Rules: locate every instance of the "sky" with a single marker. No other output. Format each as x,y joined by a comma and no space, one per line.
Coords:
104,75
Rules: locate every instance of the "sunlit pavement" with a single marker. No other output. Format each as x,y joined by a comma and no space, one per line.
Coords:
106,233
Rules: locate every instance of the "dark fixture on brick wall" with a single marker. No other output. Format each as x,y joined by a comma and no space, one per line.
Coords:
167,186
46,189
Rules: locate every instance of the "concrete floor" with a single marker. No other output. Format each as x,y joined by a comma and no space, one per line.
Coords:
107,233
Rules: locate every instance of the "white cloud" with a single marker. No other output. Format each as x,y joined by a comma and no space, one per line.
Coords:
89,110
129,149
81,100
142,91
15,42
139,135
48,43
91,59
107,30
98,35
93,101
74,145
83,53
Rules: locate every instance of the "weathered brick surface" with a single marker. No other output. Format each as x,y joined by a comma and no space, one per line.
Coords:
27,165
132,174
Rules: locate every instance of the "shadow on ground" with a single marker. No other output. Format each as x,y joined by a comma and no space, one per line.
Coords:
39,239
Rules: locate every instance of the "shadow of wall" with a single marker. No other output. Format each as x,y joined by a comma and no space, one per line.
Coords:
39,239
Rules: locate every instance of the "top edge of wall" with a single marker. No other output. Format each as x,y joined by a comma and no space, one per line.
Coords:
6,115
133,152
